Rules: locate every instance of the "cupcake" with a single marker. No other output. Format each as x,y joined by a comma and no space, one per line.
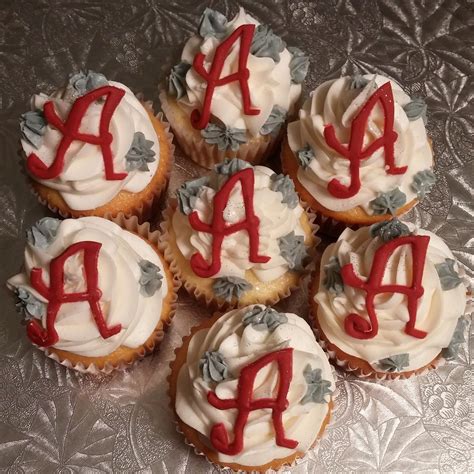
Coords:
239,236
359,153
233,89
93,149
251,390
95,297
388,301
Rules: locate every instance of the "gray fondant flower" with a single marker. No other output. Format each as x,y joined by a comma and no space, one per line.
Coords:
229,287
140,153
43,232
333,279
299,65
389,230
284,184
415,109
231,166
274,121
188,192
305,156
84,82
388,202
212,24
213,367
177,80
266,44
318,388
150,277
395,363
28,304
448,276
293,250
224,137
422,183
263,319
458,338
33,127
358,82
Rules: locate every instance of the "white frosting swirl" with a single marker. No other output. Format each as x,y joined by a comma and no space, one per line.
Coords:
437,314
269,82
276,220
119,274
240,346
334,102
82,182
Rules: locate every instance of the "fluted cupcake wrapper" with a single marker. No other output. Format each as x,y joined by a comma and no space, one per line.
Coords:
130,224
145,209
279,465
256,151
168,240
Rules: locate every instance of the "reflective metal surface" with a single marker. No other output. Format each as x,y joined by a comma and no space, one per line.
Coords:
52,419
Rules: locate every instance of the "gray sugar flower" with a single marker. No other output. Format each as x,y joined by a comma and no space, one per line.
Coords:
358,82
422,183
43,232
177,80
212,24
415,109
150,277
274,121
299,65
32,127
230,166
263,319
140,153
388,202
389,230
224,137
28,304
228,288
84,82
458,338
188,192
448,276
213,367
395,363
266,44
318,388
333,279
293,250
284,184
305,156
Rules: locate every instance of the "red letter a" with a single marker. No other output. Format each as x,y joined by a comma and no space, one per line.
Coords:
70,131
57,297
245,32
219,229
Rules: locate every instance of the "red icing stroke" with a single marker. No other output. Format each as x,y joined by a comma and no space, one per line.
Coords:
219,229
70,131
244,403
355,152
213,79
358,327
57,297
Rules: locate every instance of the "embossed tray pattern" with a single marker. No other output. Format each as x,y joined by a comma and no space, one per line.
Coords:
56,420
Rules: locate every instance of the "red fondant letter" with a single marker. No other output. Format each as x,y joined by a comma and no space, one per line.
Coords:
245,404
358,327
57,297
354,153
219,229
70,131
213,79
